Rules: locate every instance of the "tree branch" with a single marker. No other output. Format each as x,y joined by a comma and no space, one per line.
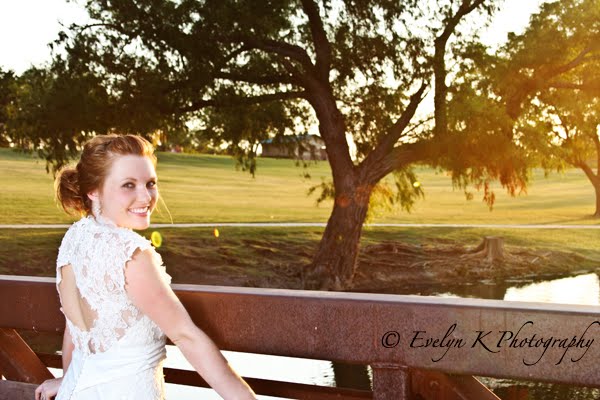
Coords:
588,171
399,157
541,79
260,80
580,59
82,28
575,86
597,145
439,64
398,128
223,62
465,8
239,101
322,45
386,144
292,51
238,77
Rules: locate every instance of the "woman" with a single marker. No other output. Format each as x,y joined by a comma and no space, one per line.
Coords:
114,290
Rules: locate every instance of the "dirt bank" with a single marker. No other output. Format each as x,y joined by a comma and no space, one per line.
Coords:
442,262
385,265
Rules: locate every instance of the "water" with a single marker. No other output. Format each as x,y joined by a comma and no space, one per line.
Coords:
582,289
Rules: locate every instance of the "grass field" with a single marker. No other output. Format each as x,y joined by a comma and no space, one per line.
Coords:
205,188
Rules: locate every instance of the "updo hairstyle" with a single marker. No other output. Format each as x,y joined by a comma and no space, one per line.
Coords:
73,183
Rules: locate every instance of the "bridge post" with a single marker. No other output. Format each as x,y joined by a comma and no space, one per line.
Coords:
391,381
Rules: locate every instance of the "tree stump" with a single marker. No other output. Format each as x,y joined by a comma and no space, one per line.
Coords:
491,248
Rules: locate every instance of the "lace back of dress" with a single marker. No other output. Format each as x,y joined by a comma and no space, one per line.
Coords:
93,298
78,312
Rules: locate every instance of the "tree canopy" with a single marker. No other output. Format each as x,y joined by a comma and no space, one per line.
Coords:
542,88
243,71
247,71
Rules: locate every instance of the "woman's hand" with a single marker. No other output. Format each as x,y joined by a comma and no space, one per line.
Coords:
48,389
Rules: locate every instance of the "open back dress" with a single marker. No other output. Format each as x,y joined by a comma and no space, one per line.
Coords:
118,351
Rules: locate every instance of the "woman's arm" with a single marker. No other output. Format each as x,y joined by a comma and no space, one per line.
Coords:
155,298
49,388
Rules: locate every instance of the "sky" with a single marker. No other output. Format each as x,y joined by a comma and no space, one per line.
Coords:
27,26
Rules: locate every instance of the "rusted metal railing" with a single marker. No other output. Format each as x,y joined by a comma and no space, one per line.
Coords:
394,334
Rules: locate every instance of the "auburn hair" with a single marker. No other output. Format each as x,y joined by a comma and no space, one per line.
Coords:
73,183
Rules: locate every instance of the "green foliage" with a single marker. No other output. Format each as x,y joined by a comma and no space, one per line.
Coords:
188,55
326,190
54,112
561,39
8,93
481,132
402,194
551,85
534,103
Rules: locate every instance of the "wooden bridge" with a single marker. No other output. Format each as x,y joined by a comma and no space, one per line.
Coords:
417,347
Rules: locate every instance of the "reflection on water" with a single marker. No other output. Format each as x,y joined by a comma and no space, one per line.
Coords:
582,289
506,389
278,368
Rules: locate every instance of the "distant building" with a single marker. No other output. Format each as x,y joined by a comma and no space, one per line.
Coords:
305,147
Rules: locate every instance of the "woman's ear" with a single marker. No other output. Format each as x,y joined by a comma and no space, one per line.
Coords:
93,195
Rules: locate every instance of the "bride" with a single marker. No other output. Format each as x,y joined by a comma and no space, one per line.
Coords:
114,291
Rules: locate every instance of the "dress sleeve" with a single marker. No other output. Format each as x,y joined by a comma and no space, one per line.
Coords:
133,241
65,252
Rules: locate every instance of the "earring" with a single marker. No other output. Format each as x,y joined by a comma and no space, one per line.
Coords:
96,208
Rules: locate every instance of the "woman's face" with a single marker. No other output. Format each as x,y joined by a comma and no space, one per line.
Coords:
129,193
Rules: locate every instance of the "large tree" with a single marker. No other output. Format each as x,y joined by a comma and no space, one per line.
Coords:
543,88
556,63
246,70
567,134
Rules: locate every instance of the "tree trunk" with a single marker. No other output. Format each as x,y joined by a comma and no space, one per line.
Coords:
492,248
336,259
597,189
594,178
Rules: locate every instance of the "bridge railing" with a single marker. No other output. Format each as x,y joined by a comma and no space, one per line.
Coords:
418,347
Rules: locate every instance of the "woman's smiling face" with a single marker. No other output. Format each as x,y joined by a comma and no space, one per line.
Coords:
129,193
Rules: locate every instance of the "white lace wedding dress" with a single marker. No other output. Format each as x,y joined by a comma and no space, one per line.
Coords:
121,356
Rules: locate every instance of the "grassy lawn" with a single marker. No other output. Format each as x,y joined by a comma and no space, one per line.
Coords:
205,188
195,188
